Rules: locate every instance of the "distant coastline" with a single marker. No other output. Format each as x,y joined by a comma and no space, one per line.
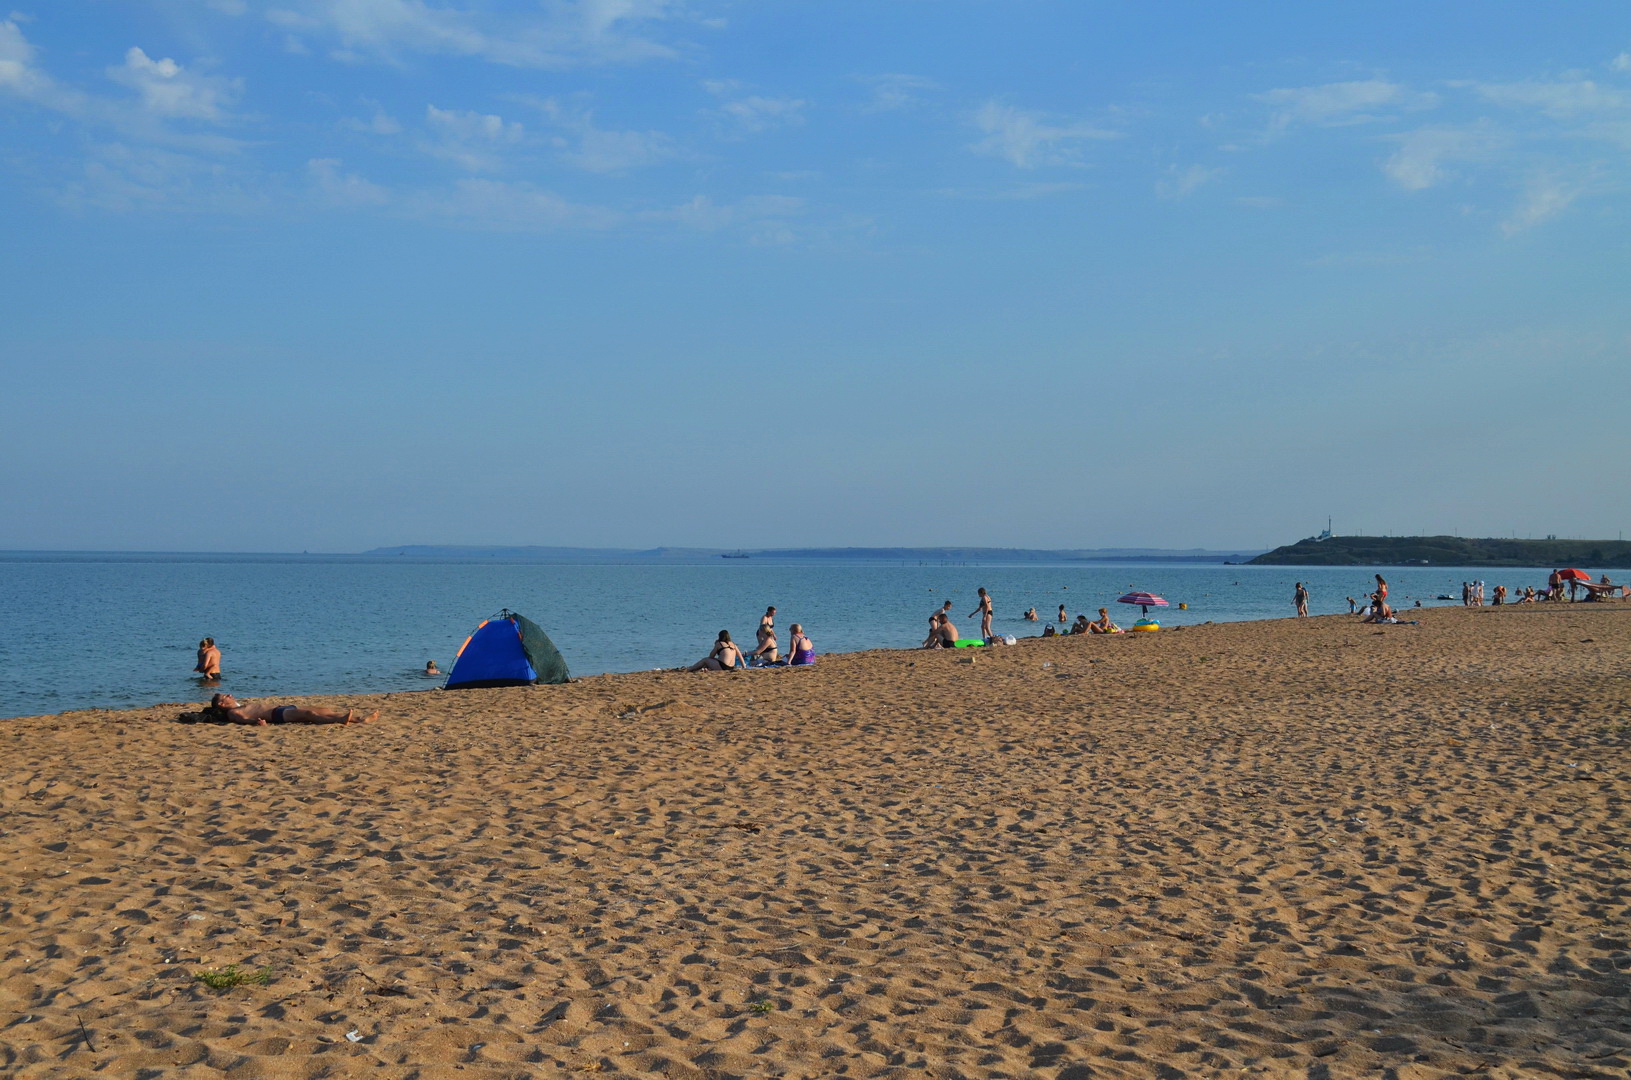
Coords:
1448,551
535,553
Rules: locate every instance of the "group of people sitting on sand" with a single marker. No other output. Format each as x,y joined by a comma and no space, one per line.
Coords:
726,655
1083,625
1379,610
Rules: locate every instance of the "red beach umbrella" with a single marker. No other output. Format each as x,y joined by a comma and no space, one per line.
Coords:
1144,600
1576,575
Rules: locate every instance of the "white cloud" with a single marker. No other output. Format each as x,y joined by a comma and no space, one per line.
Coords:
893,92
17,71
617,151
1180,183
1018,192
765,219
755,114
165,92
522,207
564,33
1559,100
1424,157
476,142
341,189
380,123
121,177
1544,198
1621,62
594,149
1028,139
1357,102
168,91
21,76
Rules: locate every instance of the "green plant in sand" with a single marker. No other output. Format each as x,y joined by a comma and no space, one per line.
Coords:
232,975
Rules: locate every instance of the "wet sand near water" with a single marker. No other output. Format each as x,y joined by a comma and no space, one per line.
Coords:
1305,848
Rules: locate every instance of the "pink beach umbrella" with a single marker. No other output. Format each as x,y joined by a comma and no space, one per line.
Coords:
1144,600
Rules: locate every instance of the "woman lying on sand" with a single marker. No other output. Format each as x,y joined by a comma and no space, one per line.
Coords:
226,707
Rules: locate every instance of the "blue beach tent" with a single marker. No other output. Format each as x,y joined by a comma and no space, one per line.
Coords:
506,650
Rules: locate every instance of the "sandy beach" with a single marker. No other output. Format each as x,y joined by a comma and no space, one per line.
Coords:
1306,848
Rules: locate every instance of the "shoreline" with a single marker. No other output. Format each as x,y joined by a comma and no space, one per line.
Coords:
1272,848
382,695
374,697
315,645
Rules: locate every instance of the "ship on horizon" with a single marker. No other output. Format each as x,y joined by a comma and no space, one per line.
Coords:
734,555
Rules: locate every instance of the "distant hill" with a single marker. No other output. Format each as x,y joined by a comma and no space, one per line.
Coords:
1449,551
855,554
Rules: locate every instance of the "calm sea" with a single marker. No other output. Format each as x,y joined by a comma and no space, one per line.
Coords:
114,631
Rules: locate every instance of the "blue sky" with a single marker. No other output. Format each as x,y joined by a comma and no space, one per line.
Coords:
332,274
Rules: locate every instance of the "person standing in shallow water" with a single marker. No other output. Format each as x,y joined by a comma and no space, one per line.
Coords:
1300,598
983,610
209,659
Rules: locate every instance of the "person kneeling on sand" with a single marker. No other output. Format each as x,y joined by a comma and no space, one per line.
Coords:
933,640
723,657
766,652
226,707
1081,625
1103,625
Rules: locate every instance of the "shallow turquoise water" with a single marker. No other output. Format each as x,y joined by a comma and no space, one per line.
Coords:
115,631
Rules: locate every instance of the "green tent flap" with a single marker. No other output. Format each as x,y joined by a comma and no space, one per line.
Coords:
546,659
